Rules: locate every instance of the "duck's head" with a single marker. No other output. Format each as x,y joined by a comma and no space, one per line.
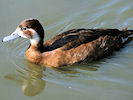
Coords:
30,29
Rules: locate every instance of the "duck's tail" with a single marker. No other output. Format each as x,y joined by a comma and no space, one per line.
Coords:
127,35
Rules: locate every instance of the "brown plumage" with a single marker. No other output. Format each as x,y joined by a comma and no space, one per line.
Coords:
72,46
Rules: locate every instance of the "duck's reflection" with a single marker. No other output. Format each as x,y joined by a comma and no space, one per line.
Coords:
31,84
30,79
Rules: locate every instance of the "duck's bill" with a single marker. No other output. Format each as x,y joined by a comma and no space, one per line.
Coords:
14,35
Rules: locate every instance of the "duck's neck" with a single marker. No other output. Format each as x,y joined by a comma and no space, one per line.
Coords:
38,47
34,51
37,43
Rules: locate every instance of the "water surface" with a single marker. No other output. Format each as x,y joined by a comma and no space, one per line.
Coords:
108,79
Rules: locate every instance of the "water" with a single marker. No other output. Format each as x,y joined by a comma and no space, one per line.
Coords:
107,79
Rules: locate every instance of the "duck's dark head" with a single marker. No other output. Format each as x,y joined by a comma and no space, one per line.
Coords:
30,29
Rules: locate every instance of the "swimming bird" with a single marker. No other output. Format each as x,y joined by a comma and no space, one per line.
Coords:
70,47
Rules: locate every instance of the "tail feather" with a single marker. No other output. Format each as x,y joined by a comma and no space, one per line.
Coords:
127,36
127,33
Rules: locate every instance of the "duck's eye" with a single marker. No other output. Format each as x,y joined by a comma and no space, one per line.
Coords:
24,28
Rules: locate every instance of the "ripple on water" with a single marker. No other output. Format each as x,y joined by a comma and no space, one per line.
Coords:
16,52
113,73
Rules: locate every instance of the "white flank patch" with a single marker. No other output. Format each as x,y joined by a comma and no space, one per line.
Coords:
125,39
131,35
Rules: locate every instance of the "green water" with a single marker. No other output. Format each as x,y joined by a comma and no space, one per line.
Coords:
108,79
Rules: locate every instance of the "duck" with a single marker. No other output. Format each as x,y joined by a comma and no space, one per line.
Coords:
70,47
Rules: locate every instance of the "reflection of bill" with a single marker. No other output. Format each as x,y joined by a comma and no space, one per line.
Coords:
33,84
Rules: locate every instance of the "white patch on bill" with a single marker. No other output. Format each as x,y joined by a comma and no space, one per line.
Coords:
11,37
